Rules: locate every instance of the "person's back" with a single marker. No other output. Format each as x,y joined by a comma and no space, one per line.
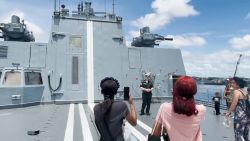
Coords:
181,127
182,117
109,115
114,120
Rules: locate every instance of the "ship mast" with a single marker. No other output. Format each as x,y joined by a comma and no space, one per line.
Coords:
113,7
54,5
238,62
105,7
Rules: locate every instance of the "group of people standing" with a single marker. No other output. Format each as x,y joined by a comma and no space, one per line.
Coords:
228,96
173,118
237,99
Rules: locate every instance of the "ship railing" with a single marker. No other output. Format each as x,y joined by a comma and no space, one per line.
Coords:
97,17
204,96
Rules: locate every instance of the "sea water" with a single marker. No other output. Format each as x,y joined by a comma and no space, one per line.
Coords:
207,92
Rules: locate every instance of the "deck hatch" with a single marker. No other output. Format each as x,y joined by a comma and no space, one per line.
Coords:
3,52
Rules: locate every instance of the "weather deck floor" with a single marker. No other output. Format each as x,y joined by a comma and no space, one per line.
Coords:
74,122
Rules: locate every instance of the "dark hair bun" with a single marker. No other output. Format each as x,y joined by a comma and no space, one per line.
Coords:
112,79
109,86
241,82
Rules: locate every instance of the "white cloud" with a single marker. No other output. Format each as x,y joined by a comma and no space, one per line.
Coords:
39,34
218,64
164,11
248,16
37,31
153,20
240,43
184,41
134,33
128,43
198,34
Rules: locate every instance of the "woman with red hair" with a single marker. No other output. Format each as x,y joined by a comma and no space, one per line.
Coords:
181,118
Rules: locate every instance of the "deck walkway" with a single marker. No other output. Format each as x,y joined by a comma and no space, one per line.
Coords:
74,122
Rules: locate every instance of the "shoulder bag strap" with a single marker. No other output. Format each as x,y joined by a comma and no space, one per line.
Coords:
246,95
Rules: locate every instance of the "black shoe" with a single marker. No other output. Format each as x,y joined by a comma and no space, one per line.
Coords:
148,114
142,114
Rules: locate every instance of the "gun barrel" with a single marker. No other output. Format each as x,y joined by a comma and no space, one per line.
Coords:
159,38
169,39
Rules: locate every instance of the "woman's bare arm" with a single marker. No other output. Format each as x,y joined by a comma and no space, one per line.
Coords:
132,116
234,102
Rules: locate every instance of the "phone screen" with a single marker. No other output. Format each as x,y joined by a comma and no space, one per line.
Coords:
126,93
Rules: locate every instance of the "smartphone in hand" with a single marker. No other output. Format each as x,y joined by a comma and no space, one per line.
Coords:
126,93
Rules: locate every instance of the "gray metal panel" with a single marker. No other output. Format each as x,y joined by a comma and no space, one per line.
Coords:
18,52
38,55
107,53
32,93
134,58
60,59
76,44
158,61
6,94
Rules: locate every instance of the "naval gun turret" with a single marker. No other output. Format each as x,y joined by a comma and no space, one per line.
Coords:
16,31
147,39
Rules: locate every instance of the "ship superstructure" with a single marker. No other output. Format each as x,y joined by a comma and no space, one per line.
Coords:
85,46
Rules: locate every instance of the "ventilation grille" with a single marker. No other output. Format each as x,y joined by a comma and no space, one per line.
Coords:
3,52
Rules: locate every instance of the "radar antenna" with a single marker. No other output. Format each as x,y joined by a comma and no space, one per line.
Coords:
236,68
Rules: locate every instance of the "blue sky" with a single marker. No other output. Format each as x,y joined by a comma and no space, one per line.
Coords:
210,33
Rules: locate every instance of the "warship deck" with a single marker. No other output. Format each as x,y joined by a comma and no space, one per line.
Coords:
74,122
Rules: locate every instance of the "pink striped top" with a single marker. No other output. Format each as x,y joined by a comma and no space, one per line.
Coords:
181,127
